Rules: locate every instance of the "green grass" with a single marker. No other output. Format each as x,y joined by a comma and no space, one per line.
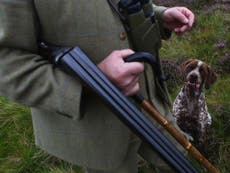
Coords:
19,155
202,43
17,151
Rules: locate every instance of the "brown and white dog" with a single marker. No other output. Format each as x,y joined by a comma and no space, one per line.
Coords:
190,108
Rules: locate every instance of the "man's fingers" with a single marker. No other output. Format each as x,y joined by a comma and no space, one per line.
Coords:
128,81
182,29
133,91
132,88
179,16
190,17
134,68
126,52
125,75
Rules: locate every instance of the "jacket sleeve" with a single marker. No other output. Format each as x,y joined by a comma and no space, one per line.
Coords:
26,77
159,10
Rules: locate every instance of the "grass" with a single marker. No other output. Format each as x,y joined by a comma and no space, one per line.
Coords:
209,40
19,155
200,42
17,151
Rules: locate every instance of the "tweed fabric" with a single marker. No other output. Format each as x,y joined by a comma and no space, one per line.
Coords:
68,123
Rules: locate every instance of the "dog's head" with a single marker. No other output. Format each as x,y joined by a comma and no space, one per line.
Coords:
197,73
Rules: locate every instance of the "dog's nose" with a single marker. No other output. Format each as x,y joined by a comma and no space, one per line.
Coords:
193,78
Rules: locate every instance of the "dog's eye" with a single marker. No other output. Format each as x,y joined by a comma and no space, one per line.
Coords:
201,70
190,68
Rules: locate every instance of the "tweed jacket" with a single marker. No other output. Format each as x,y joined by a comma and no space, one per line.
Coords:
68,123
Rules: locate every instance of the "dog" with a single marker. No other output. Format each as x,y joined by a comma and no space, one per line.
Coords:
189,108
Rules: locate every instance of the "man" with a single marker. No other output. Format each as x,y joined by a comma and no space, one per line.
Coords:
69,121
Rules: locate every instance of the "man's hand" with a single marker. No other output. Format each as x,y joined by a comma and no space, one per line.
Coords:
178,19
124,75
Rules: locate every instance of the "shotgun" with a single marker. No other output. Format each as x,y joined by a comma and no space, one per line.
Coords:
74,60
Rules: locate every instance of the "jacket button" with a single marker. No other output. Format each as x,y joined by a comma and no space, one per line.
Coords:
123,36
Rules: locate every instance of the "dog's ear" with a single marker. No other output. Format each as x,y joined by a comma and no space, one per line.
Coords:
211,77
184,66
